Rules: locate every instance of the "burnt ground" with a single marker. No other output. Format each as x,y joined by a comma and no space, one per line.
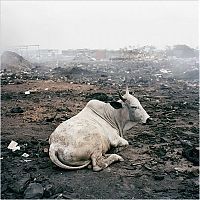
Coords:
160,162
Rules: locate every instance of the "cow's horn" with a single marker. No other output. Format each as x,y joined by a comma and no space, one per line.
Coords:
127,91
121,97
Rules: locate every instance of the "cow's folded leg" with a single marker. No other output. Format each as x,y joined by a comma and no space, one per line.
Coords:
94,158
112,158
105,162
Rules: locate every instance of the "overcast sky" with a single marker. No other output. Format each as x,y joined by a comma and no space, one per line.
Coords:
98,24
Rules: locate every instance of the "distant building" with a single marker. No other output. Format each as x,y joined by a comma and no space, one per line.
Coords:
68,52
182,51
100,54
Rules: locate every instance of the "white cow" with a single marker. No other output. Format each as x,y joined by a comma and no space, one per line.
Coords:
86,137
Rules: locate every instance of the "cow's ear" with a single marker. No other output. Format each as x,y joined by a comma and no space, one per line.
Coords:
116,105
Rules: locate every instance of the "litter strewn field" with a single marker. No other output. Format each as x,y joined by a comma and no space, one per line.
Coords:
162,158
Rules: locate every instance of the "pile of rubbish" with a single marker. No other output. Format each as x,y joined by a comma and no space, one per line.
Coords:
15,69
13,62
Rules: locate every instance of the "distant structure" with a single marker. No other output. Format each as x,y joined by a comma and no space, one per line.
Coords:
35,54
182,51
91,54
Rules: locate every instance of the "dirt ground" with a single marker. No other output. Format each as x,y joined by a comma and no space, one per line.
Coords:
160,162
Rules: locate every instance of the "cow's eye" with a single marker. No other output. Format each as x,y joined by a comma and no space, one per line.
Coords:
135,107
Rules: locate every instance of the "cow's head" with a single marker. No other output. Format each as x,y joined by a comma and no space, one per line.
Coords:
135,109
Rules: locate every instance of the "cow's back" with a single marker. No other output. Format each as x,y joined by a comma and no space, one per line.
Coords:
85,126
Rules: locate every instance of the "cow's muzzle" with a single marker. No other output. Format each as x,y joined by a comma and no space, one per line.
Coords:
149,121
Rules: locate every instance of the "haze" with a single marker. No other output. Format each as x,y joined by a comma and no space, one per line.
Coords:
98,24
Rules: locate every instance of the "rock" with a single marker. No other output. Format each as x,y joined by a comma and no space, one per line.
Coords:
186,143
164,86
192,154
50,118
34,191
63,109
20,185
17,110
189,133
48,190
99,96
4,187
159,177
59,189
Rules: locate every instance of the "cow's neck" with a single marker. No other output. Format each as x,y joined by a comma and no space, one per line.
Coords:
115,119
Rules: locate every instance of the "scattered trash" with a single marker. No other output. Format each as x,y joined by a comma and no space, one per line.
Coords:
147,167
164,71
46,150
179,169
27,160
13,146
164,86
27,92
25,155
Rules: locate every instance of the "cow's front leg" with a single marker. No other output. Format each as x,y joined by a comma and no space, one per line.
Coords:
119,142
122,142
120,145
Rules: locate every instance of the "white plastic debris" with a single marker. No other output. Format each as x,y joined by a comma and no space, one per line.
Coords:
28,92
46,150
13,146
27,160
164,71
46,89
179,169
25,155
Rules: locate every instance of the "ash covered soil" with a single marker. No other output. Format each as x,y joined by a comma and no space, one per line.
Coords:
160,162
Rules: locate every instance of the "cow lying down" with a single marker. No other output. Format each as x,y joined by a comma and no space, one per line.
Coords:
85,138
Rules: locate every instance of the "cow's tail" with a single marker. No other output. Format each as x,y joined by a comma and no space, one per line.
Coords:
55,160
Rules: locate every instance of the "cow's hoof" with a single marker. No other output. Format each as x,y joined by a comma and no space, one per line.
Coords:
126,143
97,168
89,166
123,142
119,158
